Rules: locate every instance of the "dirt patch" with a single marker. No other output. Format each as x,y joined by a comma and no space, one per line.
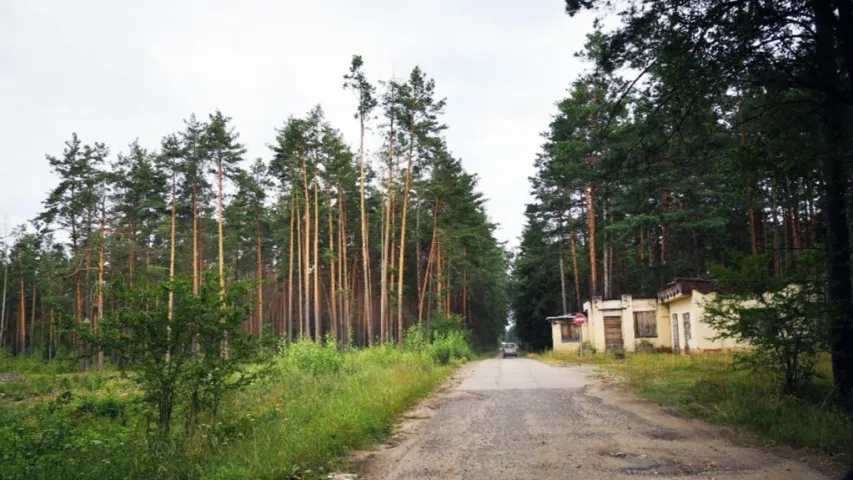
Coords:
677,428
11,377
403,436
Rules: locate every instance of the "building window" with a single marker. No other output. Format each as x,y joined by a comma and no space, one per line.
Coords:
569,332
686,317
645,325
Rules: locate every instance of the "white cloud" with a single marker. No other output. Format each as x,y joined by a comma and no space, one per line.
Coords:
115,71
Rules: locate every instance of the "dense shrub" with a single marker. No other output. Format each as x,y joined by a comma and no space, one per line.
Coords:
308,356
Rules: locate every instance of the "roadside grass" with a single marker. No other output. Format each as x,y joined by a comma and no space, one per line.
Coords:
314,405
295,423
570,358
712,388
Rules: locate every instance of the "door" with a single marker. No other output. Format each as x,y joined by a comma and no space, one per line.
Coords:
613,333
675,341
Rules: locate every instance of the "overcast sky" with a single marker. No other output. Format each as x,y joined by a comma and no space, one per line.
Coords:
113,71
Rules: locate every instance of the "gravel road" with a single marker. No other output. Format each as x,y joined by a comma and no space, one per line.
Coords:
522,419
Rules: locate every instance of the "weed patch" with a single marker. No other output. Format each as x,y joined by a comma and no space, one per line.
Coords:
713,388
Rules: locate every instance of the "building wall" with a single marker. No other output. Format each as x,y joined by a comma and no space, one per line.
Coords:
679,306
705,332
664,339
560,345
701,333
638,305
623,308
692,303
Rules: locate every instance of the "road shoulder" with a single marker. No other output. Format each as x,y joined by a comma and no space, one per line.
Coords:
381,458
608,388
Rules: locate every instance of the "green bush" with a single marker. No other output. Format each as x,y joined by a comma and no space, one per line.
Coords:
645,346
308,356
587,347
450,346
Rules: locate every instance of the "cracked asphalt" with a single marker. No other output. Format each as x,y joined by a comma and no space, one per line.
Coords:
523,419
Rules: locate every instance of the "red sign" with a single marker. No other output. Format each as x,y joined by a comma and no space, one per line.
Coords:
580,318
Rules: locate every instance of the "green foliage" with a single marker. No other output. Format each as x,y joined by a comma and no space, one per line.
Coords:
308,356
310,408
712,388
784,318
444,341
645,346
184,358
587,347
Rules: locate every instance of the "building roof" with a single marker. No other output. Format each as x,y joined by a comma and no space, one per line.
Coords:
561,318
683,286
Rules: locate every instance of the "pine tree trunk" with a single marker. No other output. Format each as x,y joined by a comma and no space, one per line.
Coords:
777,270
306,231
430,260
465,287
171,299
290,269
418,252
835,162
606,262
221,247
439,291
22,318
96,321
403,215
392,249
365,256
147,272
299,271
383,267
33,317
343,274
87,299
333,289
195,240
574,253
318,333
590,226
131,254
753,242
563,284
794,216
3,302
448,288
260,272
812,221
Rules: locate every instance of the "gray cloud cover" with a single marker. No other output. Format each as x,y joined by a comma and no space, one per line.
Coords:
113,71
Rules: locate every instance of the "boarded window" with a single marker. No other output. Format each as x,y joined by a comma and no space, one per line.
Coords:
686,317
645,325
570,332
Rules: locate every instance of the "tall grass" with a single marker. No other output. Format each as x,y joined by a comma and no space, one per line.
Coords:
711,387
313,404
317,406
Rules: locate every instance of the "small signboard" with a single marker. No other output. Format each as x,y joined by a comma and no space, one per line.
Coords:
580,318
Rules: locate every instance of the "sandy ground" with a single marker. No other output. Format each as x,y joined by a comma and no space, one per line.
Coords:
522,419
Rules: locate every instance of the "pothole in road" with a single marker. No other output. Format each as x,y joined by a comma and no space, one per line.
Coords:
666,435
671,468
463,395
640,464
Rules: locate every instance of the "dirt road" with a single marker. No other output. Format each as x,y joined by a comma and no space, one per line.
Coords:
522,419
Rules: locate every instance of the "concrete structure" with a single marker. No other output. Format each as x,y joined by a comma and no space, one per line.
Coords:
682,306
567,336
670,322
622,324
